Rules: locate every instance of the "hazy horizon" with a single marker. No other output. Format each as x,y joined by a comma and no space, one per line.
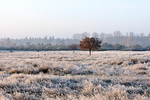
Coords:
63,18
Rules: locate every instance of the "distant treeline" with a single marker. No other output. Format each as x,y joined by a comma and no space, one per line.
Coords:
111,41
137,47
48,47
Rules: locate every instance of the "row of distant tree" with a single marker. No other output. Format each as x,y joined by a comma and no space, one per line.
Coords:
128,39
73,47
120,47
115,41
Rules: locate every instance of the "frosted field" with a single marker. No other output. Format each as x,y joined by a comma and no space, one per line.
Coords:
108,75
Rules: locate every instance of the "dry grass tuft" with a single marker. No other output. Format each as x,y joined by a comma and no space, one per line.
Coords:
109,75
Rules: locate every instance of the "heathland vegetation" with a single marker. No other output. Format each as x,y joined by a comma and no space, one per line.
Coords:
63,75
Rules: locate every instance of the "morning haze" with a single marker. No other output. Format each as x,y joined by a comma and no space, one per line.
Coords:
74,49
63,18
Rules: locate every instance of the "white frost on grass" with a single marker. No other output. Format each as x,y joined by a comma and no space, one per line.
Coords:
106,75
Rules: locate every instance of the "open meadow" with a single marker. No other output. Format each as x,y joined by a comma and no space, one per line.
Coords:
64,75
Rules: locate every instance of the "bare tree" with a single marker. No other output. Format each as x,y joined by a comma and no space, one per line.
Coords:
7,42
95,35
76,36
73,47
90,44
84,35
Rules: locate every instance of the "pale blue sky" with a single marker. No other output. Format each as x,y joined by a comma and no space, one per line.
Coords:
62,18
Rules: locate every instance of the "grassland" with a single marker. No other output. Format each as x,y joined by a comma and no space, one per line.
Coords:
63,75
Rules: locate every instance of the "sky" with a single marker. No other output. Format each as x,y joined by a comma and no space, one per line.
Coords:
63,18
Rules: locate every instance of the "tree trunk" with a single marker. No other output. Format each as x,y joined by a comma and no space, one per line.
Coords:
90,52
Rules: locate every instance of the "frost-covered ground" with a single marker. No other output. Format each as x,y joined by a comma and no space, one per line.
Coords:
63,75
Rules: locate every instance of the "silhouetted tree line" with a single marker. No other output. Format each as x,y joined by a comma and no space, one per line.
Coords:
111,41
73,47
120,47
